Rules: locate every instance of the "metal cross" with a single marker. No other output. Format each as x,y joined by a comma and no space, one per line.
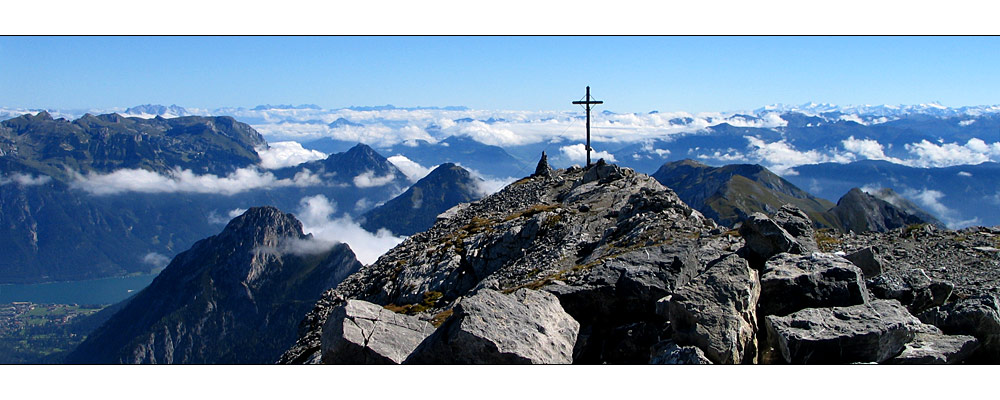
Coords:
587,102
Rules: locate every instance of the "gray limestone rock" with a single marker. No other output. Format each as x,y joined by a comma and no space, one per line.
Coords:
791,282
765,238
543,169
602,172
669,353
872,332
867,260
917,291
931,346
360,332
797,223
716,311
977,316
525,327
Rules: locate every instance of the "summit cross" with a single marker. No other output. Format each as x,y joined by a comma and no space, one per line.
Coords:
588,103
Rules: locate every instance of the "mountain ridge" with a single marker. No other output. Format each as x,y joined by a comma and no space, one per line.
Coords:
231,298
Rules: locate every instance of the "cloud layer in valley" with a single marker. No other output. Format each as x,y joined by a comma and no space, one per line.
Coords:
24,179
317,216
185,181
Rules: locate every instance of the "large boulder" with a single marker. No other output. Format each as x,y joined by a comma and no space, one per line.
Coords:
765,238
917,291
931,346
615,302
525,327
871,332
359,332
791,282
797,223
669,353
977,316
866,259
716,311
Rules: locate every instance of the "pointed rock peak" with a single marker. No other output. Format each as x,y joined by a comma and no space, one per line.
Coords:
362,151
543,168
258,222
342,122
449,169
853,195
447,172
43,116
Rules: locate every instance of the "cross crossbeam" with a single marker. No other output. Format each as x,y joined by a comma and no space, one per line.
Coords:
588,103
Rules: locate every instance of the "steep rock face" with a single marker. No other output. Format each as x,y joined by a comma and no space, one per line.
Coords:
417,208
861,212
231,298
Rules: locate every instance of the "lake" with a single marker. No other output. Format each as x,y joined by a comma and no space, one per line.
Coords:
95,291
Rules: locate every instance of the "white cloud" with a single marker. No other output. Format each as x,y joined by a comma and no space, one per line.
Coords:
966,122
867,148
780,157
156,259
186,181
497,135
236,212
316,212
368,179
578,153
931,200
487,185
286,154
413,171
363,204
25,179
964,173
930,155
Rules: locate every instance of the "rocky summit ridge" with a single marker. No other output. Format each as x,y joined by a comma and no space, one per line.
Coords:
606,265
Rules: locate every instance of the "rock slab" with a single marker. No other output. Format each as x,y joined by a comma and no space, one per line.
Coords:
791,282
867,260
360,332
716,311
977,316
932,347
917,291
872,332
765,238
525,327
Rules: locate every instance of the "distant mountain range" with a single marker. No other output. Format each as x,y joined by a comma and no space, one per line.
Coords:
108,195
731,193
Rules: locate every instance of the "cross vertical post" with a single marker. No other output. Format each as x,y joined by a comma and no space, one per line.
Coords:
588,103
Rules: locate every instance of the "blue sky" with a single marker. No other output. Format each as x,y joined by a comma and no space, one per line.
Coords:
631,74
